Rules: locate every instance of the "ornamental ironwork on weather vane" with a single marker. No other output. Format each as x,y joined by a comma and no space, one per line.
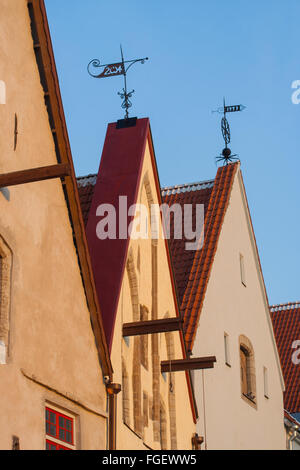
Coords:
226,155
112,70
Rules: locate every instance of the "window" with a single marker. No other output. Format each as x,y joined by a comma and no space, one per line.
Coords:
242,268
144,314
244,372
5,293
2,92
266,385
59,430
247,364
226,348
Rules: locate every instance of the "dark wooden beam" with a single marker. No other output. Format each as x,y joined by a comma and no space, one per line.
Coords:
34,174
152,326
188,364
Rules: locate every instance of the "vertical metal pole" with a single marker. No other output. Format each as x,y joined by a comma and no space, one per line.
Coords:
125,83
112,389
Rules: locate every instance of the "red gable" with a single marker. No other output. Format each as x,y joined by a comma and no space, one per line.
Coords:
119,175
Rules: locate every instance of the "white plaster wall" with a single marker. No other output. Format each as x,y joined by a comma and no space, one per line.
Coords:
229,306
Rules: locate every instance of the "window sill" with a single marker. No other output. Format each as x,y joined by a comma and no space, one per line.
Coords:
249,400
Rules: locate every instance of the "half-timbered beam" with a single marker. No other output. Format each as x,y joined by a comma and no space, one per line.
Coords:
34,174
152,326
188,364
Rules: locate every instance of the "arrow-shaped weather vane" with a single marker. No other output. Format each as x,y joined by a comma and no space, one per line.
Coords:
112,70
226,155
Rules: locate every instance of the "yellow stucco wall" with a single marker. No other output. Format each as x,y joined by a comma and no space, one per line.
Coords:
50,333
230,307
138,289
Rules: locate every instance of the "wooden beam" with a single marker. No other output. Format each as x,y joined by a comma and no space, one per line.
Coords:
34,174
152,326
188,364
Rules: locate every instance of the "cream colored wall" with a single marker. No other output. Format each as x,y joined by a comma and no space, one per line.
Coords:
50,332
140,253
231,423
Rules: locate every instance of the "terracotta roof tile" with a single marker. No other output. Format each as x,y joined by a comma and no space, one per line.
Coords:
86,187
182,259
192,268
286,324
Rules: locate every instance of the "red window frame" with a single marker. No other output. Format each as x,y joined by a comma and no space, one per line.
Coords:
59,426
56,445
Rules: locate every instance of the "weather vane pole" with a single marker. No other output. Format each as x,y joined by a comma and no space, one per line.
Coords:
112,70
226,155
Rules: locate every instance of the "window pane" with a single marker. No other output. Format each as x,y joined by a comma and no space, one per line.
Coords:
62,434
47,428
52,418
68,437
52,430
61,422
68,424
47,415
47,446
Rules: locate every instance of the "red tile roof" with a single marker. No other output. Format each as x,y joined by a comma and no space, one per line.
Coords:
286,324
192,268
182,259
86,187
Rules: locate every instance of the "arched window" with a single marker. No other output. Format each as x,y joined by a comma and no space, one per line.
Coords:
136,366
244,370
144,316
125,394
5,286
247,364
163,427
172,401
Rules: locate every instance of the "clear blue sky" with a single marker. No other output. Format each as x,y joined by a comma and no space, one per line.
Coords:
199,51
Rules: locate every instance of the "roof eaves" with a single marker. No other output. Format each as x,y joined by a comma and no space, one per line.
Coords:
196,288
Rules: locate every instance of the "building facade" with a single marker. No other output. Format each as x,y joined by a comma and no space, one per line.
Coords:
226,314
53,354
154,407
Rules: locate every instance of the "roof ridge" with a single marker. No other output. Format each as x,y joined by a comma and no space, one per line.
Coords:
85,180
286,306
188,184
187,187
86,176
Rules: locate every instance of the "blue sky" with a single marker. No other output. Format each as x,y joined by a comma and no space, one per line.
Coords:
199,51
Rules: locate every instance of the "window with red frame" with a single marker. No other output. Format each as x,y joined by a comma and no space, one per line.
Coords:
61,428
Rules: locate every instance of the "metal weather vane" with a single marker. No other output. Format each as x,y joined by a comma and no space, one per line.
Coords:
226,155
112,70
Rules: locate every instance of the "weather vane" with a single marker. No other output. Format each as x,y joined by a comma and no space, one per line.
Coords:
226,155
111,70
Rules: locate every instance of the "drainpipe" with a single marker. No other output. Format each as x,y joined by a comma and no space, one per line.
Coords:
112,389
